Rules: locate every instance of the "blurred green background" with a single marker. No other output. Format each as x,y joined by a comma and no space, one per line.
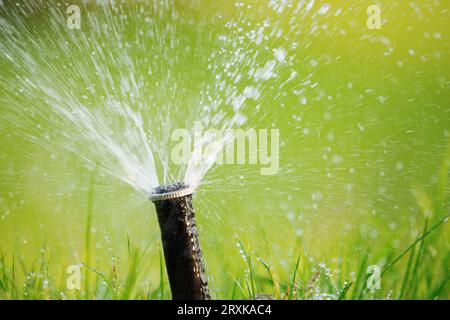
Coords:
364,131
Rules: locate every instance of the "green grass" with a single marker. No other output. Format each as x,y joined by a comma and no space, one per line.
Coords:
415,272
399,279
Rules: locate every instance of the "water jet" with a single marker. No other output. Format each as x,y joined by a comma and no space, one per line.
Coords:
179,235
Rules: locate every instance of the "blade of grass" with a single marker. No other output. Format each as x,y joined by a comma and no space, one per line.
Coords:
407,273
236,285
409,248
132,275
344,290
241,289
412,287
161,274
248,259
105,279
88,234
252,280
13,280
357,284
443,172
437,291
294,277
273,277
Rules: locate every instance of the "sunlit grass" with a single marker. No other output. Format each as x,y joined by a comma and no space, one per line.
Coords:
415,279
416,272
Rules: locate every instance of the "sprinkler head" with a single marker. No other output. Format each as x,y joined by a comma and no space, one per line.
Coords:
171,191
179,235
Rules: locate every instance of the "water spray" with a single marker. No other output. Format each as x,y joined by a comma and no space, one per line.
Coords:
182,252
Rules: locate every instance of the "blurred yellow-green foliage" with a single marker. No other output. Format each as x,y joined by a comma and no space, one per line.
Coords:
364,155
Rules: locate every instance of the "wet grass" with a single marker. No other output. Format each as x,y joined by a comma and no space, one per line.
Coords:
415,272
419,270
410,274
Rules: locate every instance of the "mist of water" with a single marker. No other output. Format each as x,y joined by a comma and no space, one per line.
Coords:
115,88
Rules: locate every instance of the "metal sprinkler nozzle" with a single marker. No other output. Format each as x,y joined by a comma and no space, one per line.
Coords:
182,252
